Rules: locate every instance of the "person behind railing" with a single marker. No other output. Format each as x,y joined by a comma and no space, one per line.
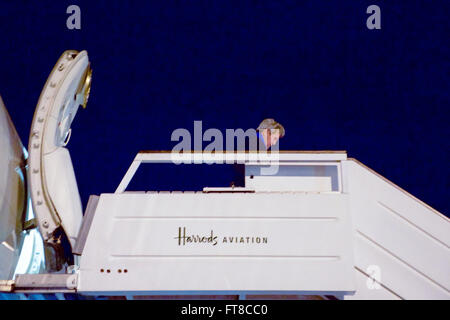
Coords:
269,132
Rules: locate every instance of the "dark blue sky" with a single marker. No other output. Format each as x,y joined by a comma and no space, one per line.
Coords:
382,95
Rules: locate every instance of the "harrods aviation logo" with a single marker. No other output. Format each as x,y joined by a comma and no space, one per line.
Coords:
184,238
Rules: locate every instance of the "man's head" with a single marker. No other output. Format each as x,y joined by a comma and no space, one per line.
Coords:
271,131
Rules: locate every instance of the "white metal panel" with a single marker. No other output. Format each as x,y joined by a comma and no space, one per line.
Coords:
405,242
66,88
317,176
13,194
365,183
407,239
270,183
65,196
395,275
363,291
226,189
238,156
307,248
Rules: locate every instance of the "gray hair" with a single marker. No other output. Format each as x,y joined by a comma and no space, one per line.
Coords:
268,124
